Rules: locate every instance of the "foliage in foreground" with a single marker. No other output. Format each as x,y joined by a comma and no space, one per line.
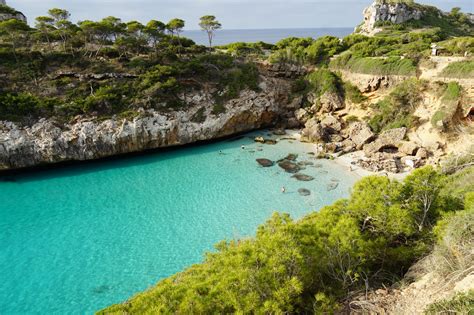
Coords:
307,266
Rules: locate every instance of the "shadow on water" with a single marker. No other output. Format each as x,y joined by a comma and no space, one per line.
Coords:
134,159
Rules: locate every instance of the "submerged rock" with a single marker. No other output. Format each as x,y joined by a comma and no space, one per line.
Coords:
290,157
270,141
304,192
279,132
289,166
332,186
265,162
303,177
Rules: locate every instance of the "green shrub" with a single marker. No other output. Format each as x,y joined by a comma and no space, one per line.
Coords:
307,265
351,119
241,49
323,80
18,106
450,99
353,94
461,303
397,109
306,50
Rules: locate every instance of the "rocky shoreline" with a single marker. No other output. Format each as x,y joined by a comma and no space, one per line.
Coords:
48,141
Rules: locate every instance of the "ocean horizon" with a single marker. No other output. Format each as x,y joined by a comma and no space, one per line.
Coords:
270,36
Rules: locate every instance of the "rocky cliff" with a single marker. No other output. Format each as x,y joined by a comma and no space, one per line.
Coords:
90,138
7,13
387,11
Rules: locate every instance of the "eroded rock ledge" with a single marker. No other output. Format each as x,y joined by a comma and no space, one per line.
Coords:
86,138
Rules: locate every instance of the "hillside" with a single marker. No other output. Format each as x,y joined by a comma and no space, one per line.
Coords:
379,99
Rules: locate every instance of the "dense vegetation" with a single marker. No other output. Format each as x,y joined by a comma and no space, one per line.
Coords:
396,110
306,266
51,70
109,67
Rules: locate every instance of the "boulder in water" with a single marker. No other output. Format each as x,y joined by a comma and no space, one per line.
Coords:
270,141
289,166
303,177
290,157
304,192
265,162
332,186
279,132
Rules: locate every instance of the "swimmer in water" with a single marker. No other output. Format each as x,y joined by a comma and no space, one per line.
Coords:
243,147
283,189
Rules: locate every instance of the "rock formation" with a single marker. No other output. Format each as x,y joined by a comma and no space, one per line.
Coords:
10,13
90,138
388,11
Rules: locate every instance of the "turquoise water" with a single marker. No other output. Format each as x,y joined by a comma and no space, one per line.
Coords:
79,238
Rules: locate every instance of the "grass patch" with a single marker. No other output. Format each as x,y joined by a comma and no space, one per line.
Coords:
376,66
451,96
459,69
462,303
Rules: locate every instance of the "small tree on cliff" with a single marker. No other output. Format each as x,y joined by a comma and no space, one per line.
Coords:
209,24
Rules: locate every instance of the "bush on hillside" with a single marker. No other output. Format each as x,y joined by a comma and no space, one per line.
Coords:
450,99
308,265
396,110
461,303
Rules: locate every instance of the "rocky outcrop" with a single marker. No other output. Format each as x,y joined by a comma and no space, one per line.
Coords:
89,138
360,134
367,83
7,13
389,140
388,11
330,102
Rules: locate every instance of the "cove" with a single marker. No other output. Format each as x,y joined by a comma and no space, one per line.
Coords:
79,238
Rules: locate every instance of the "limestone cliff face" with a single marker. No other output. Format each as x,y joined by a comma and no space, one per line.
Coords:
4,16
381,11
87,138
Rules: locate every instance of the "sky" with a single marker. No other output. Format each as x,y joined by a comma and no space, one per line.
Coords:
233,14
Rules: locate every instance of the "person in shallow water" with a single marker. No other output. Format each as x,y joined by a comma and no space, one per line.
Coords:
283,189
243,147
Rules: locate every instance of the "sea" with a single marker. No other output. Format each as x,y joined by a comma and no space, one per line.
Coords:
270,36
78,238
